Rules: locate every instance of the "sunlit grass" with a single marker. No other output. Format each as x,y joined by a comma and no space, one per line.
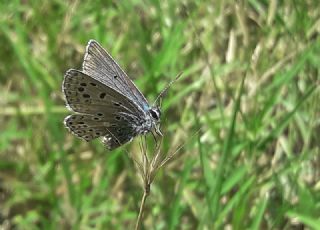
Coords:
254,163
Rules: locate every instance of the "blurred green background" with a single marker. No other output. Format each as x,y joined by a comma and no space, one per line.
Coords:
255,163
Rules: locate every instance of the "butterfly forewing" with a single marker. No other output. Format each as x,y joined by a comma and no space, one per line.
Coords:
101,66
84,94
103,110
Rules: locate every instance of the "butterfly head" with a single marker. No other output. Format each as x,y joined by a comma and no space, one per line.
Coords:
155,114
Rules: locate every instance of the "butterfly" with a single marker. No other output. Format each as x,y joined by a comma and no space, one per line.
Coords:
106,102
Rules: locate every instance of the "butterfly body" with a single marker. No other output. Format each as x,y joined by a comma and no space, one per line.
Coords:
106,101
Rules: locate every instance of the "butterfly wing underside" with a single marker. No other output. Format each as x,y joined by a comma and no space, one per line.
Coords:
102,110
101,66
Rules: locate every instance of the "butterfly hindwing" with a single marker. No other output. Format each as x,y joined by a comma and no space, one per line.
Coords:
117,136
86,127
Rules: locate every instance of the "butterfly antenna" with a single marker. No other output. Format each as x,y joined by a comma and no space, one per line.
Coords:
164,91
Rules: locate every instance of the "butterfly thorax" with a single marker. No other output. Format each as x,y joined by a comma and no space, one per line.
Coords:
152,119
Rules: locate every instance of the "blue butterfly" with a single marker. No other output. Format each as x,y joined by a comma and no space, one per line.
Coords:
107,103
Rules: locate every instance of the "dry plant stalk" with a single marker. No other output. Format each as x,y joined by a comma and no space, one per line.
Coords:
148,169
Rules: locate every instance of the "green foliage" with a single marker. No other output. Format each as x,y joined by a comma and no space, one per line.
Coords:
250,86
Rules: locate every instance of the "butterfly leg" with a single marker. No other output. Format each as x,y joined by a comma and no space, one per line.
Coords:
155,139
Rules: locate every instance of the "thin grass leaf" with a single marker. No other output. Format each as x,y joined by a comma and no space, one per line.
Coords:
311,222
258,217
285,121
175,211
215,190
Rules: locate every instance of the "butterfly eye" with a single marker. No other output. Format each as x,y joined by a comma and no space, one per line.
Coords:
154,114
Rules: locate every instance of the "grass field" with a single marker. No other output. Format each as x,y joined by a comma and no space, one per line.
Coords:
246,109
